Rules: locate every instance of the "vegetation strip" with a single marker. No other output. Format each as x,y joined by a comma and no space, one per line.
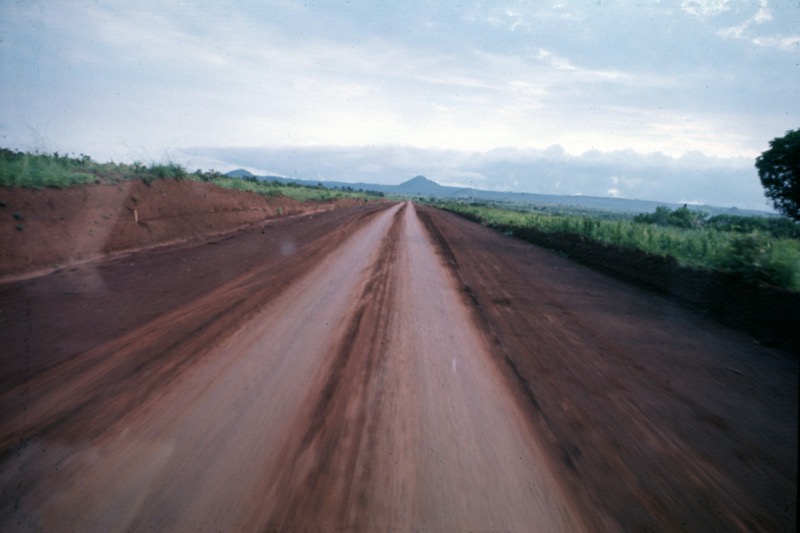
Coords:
37,171
742,299
756,249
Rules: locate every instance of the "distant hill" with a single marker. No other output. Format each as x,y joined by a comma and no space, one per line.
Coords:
240,173
420,186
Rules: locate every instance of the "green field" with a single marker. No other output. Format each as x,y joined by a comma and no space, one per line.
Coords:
763,249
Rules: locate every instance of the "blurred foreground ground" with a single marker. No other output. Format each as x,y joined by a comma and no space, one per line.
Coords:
381,367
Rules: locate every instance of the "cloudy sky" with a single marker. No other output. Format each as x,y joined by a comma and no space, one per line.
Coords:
662,100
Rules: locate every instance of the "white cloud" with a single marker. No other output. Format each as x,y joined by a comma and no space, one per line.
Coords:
786,42
734,32
764,14
139,80
705,8
753,29
553,60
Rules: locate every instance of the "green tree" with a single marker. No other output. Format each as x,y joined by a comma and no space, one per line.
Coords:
779,170
683,217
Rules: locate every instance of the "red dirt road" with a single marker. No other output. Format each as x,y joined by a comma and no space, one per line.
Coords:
381,368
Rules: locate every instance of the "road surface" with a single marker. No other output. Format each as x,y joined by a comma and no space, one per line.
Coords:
381,369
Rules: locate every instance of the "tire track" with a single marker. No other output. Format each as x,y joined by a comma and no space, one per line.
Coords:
358,396
326,475
134,367
87,400
518,381
633,404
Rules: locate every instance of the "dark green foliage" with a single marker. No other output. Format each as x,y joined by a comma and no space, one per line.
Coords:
683,217
758,258
779,170
774,226
168,171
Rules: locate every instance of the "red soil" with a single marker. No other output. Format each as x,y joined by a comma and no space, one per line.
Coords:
377,367
42,230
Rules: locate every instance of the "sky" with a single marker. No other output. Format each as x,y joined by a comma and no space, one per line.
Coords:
659,100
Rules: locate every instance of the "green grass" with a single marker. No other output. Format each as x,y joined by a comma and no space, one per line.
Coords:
19,169
37,171
756,254
303,193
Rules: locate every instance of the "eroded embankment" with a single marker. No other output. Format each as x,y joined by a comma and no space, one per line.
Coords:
656,417
41,230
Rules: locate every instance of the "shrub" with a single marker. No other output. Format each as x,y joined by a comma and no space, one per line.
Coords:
168,171
759,258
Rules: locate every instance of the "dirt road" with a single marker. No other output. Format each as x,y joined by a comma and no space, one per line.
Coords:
381,368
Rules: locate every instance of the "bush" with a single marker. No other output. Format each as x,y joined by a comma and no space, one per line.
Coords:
683,217
168,171
775,226
759,258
